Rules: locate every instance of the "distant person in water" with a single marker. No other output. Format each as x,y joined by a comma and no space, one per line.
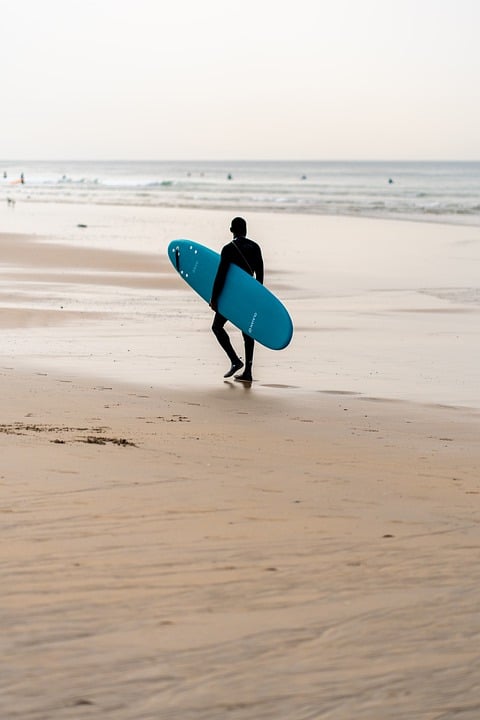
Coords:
246,254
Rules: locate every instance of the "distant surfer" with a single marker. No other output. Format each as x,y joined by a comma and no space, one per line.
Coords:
246,254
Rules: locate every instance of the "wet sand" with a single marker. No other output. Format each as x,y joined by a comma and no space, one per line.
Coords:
179,546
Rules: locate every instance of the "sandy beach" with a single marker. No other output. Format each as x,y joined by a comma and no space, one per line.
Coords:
179,546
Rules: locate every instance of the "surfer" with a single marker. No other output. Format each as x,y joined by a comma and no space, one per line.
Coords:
246,254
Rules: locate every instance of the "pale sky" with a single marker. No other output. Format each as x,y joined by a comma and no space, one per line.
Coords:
250,79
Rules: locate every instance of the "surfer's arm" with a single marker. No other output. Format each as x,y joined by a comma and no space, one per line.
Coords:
259,269
219,282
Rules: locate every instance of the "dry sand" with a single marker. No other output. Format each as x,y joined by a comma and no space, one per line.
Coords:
280,551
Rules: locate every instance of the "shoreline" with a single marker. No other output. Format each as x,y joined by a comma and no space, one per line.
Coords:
275,210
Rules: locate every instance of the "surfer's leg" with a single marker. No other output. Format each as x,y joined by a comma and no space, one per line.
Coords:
222,337
246,376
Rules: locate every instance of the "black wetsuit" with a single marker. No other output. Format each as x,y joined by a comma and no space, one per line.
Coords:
246,254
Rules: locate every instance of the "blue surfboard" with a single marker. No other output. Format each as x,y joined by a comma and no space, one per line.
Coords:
249,305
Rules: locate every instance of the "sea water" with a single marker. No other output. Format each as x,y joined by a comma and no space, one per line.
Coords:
428,191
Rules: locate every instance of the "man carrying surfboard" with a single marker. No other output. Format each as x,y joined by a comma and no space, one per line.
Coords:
246,254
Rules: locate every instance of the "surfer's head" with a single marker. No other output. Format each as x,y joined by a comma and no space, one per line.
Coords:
238,227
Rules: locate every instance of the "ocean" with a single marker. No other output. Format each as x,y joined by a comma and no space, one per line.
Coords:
429,191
